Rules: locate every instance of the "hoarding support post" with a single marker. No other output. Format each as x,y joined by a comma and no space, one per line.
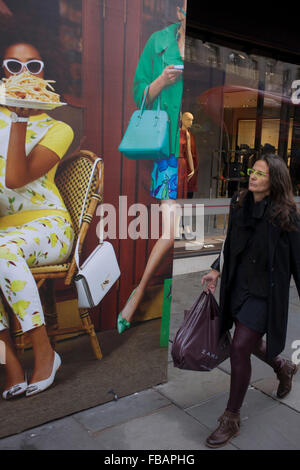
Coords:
166,310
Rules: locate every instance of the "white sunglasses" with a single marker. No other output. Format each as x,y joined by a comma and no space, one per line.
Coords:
15,66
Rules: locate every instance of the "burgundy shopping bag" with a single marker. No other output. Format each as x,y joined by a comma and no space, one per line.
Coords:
197,345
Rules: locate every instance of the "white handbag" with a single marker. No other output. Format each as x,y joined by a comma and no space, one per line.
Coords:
100,270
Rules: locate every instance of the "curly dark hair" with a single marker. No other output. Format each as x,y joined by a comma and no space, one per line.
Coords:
16,30
282,210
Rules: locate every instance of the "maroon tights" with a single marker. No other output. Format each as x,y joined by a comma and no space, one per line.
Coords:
245,342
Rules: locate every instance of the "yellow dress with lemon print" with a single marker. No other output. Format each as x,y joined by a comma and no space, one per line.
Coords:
35,227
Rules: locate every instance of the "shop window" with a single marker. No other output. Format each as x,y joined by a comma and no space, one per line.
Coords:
242,107
270,133
239,101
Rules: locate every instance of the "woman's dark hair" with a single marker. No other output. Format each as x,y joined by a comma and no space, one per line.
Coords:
282,209
16,30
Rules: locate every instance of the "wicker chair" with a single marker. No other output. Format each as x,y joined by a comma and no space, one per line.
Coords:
72,180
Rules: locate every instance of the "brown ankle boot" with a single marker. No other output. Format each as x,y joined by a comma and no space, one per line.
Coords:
285,377
229,427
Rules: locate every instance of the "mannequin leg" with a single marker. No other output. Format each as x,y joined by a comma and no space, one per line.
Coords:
188,232
178,227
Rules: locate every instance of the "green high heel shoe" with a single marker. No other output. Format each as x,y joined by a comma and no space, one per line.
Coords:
122,323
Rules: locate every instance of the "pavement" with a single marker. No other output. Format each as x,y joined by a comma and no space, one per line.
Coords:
181,413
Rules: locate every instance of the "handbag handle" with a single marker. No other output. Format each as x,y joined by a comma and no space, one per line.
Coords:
76,253
144,101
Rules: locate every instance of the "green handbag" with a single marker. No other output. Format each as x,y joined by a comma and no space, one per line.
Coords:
148,134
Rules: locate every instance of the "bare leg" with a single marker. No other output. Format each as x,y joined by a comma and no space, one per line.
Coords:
159,251
43,354
43,357
14,373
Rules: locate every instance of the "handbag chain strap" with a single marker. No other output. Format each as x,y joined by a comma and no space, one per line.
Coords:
76,253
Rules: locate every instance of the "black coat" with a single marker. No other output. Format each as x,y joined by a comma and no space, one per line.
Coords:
283,261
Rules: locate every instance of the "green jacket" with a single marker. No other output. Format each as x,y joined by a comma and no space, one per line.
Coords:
161,50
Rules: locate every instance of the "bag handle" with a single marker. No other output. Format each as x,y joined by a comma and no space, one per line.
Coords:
144,101
212,306
76,253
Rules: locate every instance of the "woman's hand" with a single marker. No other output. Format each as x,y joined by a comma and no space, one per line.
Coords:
211,280
190,175
170,75
189,156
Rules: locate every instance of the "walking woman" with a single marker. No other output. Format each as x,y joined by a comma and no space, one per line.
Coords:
163,51
261,252
35,227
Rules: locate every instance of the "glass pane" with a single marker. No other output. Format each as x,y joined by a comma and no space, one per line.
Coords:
246,133
270,132
242,107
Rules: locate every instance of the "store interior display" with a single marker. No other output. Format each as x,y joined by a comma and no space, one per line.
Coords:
242,108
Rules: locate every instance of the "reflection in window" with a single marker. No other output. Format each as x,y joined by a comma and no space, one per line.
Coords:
239,102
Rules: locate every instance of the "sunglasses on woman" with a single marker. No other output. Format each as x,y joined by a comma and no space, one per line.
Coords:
15,66
251,171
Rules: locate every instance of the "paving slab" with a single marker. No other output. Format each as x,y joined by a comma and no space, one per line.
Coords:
175,323
294,292
294,305
167,429
294,313
120,411
292,344
265,423
64,434
269,386
274,429
207,413
187,388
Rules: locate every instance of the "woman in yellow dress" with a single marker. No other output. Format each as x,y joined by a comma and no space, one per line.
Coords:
35,227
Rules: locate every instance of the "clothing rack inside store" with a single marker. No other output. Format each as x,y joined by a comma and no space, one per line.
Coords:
235,164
